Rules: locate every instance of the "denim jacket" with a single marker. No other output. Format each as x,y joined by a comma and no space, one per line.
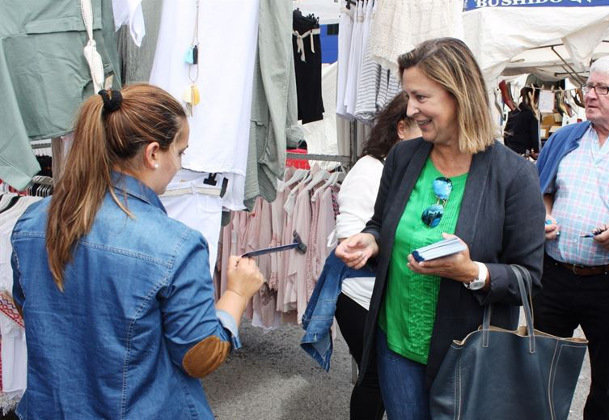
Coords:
319,315
137,296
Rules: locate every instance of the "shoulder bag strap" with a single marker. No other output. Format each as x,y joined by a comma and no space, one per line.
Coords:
524,287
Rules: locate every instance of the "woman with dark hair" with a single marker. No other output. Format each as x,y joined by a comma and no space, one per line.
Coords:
521,133
390,126
117,298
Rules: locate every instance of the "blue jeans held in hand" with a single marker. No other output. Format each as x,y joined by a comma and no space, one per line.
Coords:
402,383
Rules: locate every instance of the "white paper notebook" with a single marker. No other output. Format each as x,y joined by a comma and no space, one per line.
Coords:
439,249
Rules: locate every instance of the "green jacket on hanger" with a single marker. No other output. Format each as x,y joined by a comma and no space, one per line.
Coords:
44,76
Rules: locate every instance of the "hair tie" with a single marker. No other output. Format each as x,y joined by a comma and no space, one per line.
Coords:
112,99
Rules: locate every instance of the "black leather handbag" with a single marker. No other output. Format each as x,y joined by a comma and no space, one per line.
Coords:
498,374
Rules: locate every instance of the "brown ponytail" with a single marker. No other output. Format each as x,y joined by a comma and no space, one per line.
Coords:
104,138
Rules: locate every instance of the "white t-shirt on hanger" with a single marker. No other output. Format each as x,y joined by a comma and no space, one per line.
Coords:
129,12
220,124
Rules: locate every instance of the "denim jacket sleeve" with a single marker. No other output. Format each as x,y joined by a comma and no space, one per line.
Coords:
188,309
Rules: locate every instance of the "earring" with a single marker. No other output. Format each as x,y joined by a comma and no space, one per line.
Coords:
156,166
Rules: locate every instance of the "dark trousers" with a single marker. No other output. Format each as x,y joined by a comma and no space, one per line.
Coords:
366,400
568,300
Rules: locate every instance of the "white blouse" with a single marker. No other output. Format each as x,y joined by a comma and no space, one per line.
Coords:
357,196
356,205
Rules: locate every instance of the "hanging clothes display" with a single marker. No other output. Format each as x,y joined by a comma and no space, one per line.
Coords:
357,46
136,59
129,13
321,136
369,73
196,201
307,61
399,25
345,30
43,75
220,122
305,204
363,86
274,103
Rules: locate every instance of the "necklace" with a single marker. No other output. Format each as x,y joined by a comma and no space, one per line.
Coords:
191,95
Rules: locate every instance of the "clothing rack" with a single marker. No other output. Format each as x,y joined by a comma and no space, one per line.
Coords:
42,180
348,160
41,144
326,158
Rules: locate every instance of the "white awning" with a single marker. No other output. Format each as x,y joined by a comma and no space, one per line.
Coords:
550,38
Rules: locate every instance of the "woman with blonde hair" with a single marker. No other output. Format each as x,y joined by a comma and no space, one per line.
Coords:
455,180
117,298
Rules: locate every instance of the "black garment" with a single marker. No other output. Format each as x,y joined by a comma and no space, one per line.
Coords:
46,165
568,300
9,416
366,400
522,130
308,72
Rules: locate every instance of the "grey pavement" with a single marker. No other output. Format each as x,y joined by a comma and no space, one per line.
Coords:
272,378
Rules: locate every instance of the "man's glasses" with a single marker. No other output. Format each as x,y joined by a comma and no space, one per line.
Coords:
600,90
442,188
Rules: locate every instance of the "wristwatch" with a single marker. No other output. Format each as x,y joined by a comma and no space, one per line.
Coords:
480,282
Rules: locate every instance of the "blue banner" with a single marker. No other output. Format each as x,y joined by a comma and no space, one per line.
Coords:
481,4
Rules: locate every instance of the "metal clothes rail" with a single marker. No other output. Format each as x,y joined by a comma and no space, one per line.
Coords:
346,160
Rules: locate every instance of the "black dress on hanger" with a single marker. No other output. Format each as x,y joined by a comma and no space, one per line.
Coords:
307,45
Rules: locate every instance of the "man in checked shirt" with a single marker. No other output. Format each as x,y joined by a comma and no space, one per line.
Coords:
574,174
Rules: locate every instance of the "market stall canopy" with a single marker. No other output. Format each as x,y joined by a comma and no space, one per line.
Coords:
327,11
551,38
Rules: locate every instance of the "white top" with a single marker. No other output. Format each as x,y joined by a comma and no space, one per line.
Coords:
129,12
220,124
356,205
398,26
14,350
357,196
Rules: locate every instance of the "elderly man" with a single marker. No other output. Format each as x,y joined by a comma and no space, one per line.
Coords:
574,174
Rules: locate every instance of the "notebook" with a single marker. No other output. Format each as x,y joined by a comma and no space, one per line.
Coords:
438,249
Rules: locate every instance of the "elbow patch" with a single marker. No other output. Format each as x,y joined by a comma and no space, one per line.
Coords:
205,356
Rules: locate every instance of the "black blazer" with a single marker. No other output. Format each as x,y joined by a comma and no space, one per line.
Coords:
501,220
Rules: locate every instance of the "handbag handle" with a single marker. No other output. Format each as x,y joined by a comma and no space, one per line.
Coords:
521,274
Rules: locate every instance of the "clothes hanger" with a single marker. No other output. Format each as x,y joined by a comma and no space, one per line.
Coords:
5,198
10,203
314,169
288,173
318,177
211,179
298,176
332,179
325,185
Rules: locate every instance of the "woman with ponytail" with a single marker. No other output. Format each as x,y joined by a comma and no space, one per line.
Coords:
117,298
